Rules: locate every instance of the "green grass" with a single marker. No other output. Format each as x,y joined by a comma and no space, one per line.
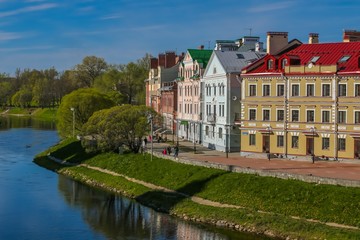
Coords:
282,198
48,114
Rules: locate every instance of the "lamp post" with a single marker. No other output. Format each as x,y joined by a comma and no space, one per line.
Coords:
312,129
194,138
227,140
268,151
73,121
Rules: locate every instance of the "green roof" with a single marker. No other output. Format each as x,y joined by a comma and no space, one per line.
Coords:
200,55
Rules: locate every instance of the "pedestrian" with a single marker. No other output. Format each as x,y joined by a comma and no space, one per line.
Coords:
145,141
176,151
169,150
164,151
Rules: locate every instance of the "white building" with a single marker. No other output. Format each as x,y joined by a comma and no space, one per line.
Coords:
221,91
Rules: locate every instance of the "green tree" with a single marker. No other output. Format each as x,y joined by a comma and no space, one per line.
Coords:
111,128
90,68
82,103
22,98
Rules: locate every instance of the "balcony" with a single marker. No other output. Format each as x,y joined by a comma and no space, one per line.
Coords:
211,118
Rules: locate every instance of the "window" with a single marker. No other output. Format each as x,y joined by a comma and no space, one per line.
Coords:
310,90
357,90
344,58
270,64
252,140
214,90
252,91
310,115
325,90
207,130
357,117
325,143
341,116
214,70
295,115
283,63
266,115
280,115
341,144
342,90
280,90
266,90
280,141
294,141
325,116
314,59
220,133
252,114
295,90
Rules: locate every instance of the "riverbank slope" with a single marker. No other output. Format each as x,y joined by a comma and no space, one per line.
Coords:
264,205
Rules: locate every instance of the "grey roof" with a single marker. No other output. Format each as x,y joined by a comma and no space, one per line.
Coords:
234,61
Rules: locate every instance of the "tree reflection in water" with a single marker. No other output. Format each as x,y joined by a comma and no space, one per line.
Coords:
117,217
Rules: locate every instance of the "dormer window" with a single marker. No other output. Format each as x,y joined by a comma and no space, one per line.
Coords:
270,64
283,63
344,58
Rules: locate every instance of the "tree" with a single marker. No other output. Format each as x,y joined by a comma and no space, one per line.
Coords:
111,128
90,68
82,103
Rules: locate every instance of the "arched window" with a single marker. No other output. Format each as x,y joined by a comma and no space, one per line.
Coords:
283,63
270,64
207,130
220,132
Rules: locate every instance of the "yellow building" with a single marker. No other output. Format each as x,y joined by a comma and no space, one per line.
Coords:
302,100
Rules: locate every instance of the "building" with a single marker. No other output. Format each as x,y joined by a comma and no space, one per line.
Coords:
189,106
221,98
302,100
163,72
244,44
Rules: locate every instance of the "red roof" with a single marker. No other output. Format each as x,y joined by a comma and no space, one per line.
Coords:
318,54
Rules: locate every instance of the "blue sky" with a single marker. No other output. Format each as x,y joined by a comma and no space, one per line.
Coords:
41,34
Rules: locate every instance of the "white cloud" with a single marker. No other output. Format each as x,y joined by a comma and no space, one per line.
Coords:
270,7
40,7
5,36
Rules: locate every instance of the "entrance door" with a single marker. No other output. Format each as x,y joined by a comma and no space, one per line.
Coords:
309,145
357,148
266,143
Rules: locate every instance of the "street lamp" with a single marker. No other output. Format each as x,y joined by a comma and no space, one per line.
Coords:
312,130
73,121
269,132
194,138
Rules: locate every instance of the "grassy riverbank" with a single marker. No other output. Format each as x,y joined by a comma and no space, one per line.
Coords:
267,205
46,114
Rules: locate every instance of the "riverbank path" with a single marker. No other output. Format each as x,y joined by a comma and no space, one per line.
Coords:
335,170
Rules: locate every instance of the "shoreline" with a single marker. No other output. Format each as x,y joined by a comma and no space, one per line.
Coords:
156,197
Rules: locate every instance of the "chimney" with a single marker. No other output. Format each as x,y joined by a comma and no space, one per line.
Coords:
351,36
276,41
170,59
153,63
201,47
313,38
161,59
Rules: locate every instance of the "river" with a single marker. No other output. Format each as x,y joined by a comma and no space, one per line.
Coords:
39,204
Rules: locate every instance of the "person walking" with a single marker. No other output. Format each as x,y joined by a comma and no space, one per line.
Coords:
169,150
176,151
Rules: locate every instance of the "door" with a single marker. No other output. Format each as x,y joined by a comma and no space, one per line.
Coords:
309,145
357,148
266,143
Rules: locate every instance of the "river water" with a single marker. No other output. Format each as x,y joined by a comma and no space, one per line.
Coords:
39,204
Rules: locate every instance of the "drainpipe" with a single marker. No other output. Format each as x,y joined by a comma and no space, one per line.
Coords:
336,110
239,79
286,115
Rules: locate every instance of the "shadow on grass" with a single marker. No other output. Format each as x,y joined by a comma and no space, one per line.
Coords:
164,201
72,153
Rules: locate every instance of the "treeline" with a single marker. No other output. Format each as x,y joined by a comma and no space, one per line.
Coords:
123,83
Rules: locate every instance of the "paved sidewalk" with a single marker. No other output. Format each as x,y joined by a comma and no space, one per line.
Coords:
324,169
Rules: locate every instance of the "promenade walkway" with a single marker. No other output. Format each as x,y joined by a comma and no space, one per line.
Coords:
341,173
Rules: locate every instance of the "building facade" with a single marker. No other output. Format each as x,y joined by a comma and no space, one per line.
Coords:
302,101
221,98
189,114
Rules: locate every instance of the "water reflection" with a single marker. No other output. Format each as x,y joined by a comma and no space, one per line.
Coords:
121,218
7,122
